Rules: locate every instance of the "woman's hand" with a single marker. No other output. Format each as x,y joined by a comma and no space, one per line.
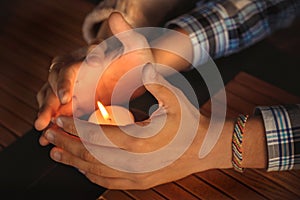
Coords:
58,92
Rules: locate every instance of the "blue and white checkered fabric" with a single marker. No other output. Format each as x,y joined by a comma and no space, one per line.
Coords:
223,27
282,125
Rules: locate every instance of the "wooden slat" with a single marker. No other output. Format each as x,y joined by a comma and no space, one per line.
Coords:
18,91
6,137
22,78
263,185
286,179
249,94
43,46
69,29
266,89
23,111
144,194
233,188
13,123
114,194
30,62
201,189
173,191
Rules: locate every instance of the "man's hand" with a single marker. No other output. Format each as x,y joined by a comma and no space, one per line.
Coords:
134,173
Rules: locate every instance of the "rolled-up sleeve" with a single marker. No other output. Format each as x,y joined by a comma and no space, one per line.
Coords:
282,128
222,27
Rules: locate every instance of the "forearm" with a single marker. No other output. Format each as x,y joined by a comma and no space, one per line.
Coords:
225,27
254,146
173,50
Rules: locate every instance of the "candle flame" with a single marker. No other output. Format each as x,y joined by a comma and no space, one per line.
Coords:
103,111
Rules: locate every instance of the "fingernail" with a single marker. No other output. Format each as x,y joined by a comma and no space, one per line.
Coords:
94,60
118,53
81,171
57,155
149,72
63,96
59,122
50,137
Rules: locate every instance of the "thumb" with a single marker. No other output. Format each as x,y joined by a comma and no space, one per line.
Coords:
117,23
129,38
165,93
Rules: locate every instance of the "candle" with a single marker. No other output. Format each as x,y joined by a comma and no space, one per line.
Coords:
113,115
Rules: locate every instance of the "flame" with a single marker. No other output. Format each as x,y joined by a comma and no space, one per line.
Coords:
103,111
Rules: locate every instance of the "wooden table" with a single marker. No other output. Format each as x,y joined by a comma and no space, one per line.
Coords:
35,31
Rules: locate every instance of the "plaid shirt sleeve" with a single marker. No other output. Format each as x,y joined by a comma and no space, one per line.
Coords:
282,126
223,27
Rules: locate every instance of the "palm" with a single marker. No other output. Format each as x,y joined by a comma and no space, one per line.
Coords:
123,76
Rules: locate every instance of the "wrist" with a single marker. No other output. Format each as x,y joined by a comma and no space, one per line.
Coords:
254,144
222,152
220,155
166,51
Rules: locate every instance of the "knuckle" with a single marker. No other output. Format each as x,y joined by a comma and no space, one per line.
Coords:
93,179
139,178
70,127
100,181
109,185
136,165
142,184
39,95
86,155
137,145
39,98
94,169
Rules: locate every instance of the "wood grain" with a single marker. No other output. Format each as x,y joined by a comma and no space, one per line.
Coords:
32,33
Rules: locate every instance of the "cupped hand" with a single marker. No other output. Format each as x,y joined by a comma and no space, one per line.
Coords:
58,91
121,171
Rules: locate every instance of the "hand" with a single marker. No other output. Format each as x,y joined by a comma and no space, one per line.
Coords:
49,107
173,108
59,90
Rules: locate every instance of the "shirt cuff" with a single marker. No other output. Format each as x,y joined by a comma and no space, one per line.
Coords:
197,35
281,124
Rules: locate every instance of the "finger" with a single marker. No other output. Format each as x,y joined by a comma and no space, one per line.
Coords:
74,146
161,89
65,141
52,78
112,183
130,39
65,82
42,94
67,124
97,168
65,110
43,141
117,23
95,135
49,106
